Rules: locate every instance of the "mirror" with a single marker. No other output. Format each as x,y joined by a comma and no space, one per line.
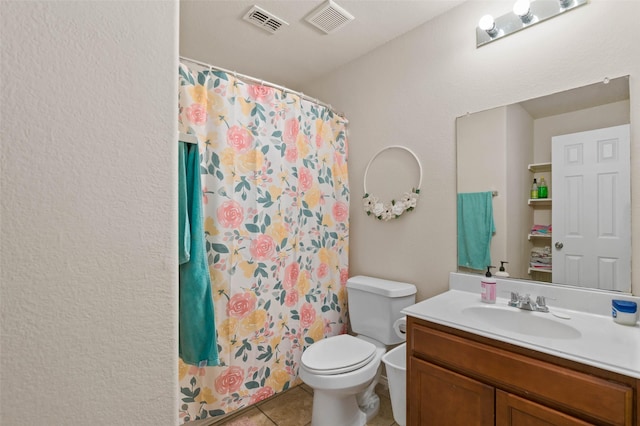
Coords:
503,149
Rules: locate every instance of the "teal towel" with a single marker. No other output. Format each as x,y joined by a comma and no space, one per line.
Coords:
184,232
475,229
197,343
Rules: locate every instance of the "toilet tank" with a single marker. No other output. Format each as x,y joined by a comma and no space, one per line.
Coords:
374,305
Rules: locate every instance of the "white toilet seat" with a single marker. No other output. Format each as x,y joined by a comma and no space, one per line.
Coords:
337,355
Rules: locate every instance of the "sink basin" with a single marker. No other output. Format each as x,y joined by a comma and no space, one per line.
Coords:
521,321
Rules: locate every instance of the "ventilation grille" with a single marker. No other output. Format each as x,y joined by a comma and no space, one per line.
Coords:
329,17
265,20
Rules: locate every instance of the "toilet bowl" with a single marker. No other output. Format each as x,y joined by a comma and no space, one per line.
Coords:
344,370
339,391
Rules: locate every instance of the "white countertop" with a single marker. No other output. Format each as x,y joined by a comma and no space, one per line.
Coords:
602,343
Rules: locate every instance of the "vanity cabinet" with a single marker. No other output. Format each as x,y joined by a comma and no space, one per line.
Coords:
459,378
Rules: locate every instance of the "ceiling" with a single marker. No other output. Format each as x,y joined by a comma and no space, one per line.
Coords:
213,32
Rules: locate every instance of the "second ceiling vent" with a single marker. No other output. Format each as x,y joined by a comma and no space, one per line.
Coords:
329,17
265,20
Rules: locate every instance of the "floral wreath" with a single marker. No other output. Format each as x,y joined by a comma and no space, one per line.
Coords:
386,211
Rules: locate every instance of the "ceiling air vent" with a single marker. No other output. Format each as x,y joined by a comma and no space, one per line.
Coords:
329,17
265,20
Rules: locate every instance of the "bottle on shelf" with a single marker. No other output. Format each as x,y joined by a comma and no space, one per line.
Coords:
543,191
534,189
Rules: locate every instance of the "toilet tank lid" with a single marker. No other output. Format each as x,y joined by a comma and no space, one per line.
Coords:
381,286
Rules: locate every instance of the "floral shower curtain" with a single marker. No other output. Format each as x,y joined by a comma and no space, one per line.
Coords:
276,219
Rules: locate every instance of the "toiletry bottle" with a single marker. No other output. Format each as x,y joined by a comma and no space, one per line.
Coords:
624,311
534,189
502,273
488,287
542,189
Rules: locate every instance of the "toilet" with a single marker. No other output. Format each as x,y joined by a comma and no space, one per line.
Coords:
344,370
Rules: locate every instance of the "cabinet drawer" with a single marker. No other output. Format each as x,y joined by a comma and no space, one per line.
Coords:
553,385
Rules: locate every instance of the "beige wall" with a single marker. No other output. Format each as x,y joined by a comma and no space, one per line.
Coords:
482,164
609,115
87,266
519,215
494,148
411,90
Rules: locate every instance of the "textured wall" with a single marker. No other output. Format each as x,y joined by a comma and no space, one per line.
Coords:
88,272
411,90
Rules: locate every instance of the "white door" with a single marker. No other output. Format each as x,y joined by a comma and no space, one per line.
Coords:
591,211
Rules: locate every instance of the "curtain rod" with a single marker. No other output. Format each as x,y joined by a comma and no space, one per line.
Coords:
263,83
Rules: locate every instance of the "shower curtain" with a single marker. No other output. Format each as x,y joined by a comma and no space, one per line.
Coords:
276,222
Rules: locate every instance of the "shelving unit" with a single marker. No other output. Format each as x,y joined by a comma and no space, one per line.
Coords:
538,237
541,203
540,167
543,271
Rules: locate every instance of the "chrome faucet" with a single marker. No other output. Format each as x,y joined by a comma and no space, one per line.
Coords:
527,304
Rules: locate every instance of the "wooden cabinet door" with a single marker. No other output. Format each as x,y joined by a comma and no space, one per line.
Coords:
511,410
437,396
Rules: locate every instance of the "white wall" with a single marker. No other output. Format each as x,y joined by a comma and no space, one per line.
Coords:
434,74
88,158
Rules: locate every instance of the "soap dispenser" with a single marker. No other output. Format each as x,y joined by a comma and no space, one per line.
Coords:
502,273
488,287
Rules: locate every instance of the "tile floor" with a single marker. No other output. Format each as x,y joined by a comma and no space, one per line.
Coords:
293,408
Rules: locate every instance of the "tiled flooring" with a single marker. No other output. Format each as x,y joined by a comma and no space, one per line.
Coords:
293,408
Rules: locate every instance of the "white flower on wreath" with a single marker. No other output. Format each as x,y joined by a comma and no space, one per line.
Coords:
410,199
368,203
386,214
392,210
378,209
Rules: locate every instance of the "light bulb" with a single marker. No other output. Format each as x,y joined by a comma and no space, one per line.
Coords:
522,8
487,23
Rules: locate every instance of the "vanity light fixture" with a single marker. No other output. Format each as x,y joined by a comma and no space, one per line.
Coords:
525,14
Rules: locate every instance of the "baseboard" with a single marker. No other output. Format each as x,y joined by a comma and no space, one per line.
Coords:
206,422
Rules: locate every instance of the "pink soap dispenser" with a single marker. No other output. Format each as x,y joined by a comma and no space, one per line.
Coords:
488,287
